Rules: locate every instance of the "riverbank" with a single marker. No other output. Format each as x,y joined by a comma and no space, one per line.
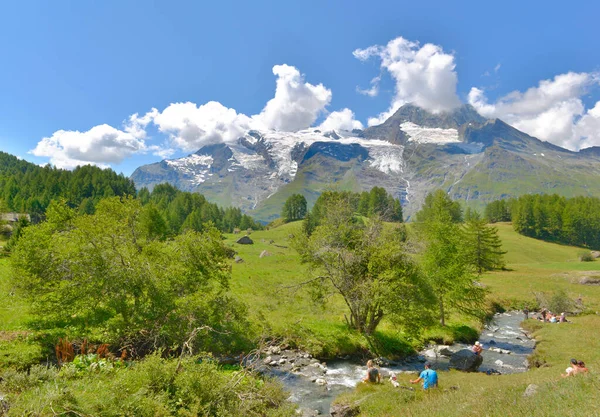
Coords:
314,384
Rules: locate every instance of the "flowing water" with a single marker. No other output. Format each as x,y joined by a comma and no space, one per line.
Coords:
503,333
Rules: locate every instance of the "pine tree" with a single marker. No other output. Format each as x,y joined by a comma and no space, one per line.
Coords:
483,248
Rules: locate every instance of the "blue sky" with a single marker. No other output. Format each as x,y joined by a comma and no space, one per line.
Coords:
74,72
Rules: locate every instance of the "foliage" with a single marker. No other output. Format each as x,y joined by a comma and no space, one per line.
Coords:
294,208
575,221
153,387
482,246
29,188
366,264
445,259
438,204
498,211
586,257
375,203
171,212
99,275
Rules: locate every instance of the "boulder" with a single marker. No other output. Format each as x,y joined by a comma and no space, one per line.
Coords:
595,254
265,253
444,350
465,360
245,240
238,260
430,354
587,280
320,381
530,390
344,410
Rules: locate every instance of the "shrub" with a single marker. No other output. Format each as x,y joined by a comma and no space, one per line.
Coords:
586,257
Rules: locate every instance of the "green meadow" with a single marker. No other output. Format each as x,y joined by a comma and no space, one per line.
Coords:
280,310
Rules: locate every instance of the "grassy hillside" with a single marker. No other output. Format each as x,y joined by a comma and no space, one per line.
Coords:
533,266
279,309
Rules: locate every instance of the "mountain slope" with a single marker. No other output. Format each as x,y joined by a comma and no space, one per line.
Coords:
412,153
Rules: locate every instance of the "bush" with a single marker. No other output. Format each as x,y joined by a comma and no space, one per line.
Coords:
586,257
151,387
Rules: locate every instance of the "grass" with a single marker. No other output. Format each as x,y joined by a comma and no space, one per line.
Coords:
533,266
17,349
282,311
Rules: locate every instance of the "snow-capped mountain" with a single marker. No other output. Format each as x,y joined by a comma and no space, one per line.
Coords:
413,152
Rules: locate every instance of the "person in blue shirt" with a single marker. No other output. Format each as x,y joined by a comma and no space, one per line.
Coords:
428,376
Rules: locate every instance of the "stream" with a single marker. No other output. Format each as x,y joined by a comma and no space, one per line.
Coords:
314,391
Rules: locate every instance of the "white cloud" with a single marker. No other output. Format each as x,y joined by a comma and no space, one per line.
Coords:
588,128
190,126
424,75
552,111
373,91
497,67
101,145
340,120
296,104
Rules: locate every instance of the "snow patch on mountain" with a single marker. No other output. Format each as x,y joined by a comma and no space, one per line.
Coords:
197,167
436,135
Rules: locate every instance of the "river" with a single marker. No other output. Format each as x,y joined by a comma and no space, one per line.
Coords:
503,334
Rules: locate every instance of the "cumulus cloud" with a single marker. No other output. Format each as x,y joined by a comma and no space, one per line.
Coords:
341,120
191,127
101,145
552,111
296,104
424,75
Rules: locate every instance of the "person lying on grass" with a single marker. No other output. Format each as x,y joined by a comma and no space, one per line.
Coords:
373,374
577,367
428,376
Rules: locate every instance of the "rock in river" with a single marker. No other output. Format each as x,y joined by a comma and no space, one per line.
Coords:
465,360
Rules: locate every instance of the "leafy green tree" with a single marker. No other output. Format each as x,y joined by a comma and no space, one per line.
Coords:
438,204
294,208
482,245
102,277
364,262
444,261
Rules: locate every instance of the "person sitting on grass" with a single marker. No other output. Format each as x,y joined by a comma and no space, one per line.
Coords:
562,318
571,370
373,374
428,376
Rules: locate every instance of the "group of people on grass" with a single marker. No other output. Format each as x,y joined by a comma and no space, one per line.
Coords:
428,376
547,316
575,367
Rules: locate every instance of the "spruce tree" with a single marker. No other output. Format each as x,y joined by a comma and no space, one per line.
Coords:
482,245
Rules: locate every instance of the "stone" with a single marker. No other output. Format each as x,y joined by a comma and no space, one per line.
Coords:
273,363
245,240
595,254
282,361
593,280
268,360
264,253
320,381
499,362
530,390
430,353
465,360
238,259
344,410
444,350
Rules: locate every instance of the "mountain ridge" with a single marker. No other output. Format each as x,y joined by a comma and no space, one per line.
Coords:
413,152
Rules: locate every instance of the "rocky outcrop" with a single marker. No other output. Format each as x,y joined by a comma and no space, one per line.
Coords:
344,410
245,240
465,360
